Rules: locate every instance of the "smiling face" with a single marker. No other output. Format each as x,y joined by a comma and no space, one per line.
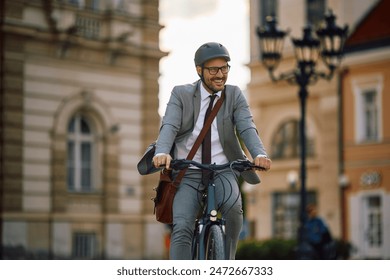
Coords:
214,82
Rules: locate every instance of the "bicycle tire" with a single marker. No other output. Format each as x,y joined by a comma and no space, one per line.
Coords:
195,246
215,245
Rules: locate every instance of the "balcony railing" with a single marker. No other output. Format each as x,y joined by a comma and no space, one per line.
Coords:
88,27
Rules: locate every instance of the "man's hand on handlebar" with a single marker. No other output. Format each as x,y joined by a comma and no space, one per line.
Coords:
263,162
160,160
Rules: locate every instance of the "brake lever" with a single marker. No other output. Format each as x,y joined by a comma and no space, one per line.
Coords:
242,165
245,165
179,164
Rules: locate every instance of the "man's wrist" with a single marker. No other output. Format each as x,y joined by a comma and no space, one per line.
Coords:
262,156
159,154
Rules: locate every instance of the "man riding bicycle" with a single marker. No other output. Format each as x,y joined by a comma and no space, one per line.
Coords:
181,124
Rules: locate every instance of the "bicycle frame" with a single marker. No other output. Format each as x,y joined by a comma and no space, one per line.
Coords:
209,217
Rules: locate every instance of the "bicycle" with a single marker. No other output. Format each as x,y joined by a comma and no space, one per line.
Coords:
208,242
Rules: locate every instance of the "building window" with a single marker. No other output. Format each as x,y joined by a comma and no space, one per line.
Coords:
80,154
84,246
92,4
74,2
286,206
286,144
315,11
88,27
268,8
88,4
120,5
368,114
374,216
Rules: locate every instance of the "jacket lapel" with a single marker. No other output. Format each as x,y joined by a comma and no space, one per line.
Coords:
196,102
220,117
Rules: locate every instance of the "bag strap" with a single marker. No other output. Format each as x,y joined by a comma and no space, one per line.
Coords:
201,135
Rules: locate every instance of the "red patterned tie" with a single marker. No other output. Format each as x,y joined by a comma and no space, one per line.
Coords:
206,144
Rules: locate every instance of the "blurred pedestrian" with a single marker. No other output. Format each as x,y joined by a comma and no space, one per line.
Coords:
318,235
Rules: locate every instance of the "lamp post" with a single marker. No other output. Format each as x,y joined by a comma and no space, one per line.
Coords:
329,45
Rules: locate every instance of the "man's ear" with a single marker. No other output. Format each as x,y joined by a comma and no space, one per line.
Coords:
199,70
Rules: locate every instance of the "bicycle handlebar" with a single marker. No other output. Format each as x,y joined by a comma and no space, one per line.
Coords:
239,165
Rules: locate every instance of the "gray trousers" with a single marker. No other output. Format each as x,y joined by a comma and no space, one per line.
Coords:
187,206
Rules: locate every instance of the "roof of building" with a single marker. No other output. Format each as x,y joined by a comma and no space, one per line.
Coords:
373,31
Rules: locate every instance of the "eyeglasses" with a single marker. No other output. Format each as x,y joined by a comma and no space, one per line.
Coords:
214,70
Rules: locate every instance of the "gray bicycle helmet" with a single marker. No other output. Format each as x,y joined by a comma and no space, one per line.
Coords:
209,51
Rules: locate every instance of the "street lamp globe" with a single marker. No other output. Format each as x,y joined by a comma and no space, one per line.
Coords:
332,38
271,43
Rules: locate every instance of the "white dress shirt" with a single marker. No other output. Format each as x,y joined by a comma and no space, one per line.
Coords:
183,148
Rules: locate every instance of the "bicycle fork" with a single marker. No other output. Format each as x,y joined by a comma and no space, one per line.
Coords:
207,220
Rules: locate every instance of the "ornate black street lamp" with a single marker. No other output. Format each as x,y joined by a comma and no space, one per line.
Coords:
328,44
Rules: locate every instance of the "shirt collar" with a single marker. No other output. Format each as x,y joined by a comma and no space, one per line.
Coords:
205,94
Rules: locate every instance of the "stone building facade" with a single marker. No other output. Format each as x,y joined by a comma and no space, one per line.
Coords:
366,135
332,153
79,102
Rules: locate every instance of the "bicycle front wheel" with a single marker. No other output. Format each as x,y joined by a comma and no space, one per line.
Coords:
215,245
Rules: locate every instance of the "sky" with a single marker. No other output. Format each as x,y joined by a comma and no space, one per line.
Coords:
190,23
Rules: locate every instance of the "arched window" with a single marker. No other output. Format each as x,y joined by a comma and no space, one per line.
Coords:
80,153
286,142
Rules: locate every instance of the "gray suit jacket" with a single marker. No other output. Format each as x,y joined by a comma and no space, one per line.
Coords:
234,116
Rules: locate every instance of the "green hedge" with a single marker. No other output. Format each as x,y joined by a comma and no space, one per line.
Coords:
273,249
279,249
